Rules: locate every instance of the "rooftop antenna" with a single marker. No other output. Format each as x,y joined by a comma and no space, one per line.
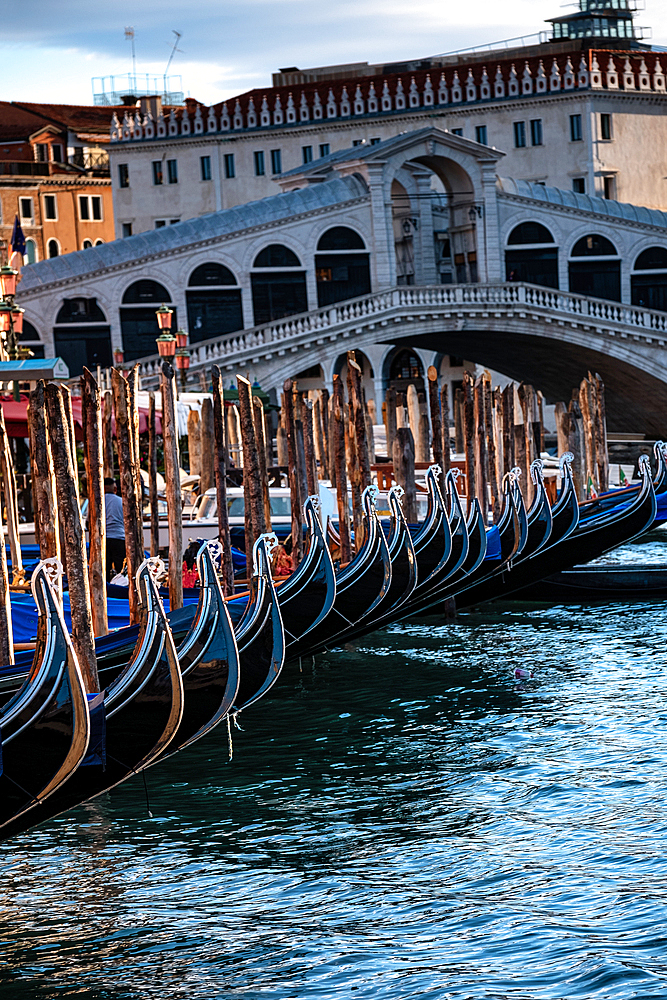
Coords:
171,56
129,33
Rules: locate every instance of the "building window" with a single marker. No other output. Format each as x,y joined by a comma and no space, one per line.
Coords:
536,132
41,152
481,134
90,208
276,162
205,168
605,127
457,131
30,253
576,134
325,149
519,134
260,169
174,222
357,142
306,154
87,244
579,185
230,166
52,248
99,243
25,208
157,172
50,207
123,175
375,140
57,152
127,229
609,188
172,171
160,223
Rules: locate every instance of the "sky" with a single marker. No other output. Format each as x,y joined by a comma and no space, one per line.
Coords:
53,48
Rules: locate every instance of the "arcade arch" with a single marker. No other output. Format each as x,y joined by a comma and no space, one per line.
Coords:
278,284
648,282
532,255
82,335
138,324
342,268
213,301
599,273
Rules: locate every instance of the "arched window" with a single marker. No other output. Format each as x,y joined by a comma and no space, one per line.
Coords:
30,251
28,332
30,338
211,274
277,293
340,272
594,246
536,263
599,278
82,335
405,368
649,289
99,243
276,255
52,248
529,233
146,291
138,322
212,309
653,259
87,244
340,238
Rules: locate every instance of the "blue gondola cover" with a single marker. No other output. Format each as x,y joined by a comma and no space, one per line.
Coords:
97,746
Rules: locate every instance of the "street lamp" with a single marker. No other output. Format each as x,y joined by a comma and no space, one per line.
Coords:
8,278
181,338
166,345
182,360
164,316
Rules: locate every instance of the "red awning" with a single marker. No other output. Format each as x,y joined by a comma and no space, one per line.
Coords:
16,418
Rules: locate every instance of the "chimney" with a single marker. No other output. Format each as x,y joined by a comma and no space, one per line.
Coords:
152,106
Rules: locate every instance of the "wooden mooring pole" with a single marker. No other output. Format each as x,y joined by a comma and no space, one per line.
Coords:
91,414
338,438
134,535
172,479
221,461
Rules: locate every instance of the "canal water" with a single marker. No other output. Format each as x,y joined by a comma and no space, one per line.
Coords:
404,819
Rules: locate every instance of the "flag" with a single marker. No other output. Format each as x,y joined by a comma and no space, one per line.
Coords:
592,493
18,246
621,476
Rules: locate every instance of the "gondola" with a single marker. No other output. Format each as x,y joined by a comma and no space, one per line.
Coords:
46,725
403,573
611,498
360,586
260,635
143,707
587,540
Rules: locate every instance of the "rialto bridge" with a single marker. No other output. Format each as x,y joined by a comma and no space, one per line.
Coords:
414,248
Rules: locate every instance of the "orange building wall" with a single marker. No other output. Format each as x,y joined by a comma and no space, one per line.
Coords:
69,229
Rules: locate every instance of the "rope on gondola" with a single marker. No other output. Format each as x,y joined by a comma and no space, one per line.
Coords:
230,745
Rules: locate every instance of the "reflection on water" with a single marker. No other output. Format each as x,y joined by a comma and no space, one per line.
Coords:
650,549
402,820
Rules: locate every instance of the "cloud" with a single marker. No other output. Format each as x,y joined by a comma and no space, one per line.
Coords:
231,47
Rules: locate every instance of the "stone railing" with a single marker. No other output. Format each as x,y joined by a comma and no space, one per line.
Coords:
410,303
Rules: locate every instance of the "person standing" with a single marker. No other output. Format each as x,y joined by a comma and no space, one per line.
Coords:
113,512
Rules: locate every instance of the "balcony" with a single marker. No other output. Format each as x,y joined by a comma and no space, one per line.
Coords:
24,168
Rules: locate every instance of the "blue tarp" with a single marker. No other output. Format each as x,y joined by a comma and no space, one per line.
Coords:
493,550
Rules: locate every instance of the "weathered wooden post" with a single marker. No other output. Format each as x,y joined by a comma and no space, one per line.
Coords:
436,421
297,401
358,419
133,412
134,535
576,445
221,459
91,415
601,447
293,475
404,471
172,478
390,418
11,503
107,436
207,433
481,449
194,444
233,448
258,418
459,421
319,439
152,477
338,438
446,438
43,481
497,404
469,435
508,428
524,393
67,493
587,405
494,482
562,427
423,452
281,440
309,447
324,414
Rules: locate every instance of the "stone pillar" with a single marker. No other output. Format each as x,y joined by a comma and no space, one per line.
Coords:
428,273
384,256
490,255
